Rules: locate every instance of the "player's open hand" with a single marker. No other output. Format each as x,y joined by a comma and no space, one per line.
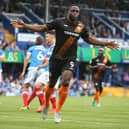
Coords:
18,23
39,67
113,45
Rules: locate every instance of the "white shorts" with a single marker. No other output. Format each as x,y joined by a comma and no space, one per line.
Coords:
31,75
43,77
37,76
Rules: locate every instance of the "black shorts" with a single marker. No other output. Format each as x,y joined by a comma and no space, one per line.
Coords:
57,66
98,85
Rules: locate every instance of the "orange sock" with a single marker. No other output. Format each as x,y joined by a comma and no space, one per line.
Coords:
63,92
49,92
96,97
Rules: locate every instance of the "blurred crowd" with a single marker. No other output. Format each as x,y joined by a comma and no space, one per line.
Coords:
10,87
82,86
58,8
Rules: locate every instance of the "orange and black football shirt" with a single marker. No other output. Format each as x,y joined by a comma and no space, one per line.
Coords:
67,35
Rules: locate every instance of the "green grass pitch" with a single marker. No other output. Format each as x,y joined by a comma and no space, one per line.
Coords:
77,113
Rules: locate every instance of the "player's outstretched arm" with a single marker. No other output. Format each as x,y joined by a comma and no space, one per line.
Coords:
108,67
93,66
111,44
18,23
26,62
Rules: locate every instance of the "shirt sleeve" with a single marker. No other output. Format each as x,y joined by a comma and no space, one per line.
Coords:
85,33
30,50
108,63
52,24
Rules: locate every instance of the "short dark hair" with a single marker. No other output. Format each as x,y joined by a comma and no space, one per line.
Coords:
51,32
39,40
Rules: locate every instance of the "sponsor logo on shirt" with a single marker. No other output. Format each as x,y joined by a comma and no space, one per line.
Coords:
71,33
65,25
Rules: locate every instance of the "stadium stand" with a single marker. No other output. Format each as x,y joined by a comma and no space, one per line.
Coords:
7,17
30,13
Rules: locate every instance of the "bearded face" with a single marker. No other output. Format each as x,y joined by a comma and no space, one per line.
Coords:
73,13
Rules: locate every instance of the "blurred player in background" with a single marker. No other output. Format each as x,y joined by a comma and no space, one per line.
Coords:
99,65
36,54
50,43
62,62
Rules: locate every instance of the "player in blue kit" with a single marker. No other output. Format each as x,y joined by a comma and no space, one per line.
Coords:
36,54
50,43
